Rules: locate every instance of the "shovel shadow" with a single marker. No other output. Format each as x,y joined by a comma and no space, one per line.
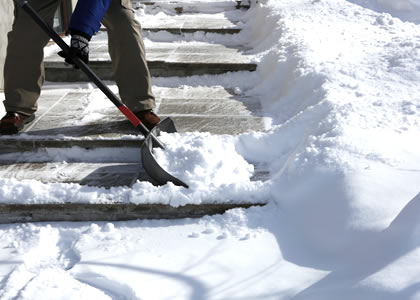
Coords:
198,289
116,175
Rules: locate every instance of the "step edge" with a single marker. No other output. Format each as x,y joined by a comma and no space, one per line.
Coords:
82,212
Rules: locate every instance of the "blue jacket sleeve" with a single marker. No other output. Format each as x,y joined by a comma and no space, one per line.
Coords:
88,15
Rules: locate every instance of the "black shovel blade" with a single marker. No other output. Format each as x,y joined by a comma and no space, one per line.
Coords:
158,175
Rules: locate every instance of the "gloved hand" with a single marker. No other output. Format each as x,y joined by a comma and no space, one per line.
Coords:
79,45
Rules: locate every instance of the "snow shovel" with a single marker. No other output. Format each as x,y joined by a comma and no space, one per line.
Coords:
158,175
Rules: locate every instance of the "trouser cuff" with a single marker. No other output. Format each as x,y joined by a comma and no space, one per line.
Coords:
140,105
24,111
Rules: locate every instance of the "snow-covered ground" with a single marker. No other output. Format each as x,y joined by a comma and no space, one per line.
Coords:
340,81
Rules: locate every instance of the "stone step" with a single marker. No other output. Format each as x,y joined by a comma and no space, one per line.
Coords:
192,30
31,142
69,117
100,174
99,171
193,6
190,23
164,59
13,213
220,23
84,118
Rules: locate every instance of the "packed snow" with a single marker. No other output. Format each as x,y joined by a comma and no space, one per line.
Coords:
340,81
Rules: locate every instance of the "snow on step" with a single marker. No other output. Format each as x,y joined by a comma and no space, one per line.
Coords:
111,167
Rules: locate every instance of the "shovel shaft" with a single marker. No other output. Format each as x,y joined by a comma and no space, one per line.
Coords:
88,71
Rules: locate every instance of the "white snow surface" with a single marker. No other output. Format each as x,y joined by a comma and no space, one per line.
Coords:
340,81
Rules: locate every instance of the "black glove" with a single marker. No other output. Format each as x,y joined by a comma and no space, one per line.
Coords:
79,45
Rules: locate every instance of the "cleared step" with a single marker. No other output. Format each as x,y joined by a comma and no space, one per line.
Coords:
30,143
226,22
189,23
193,6
164,59
12,213
100,174
69,117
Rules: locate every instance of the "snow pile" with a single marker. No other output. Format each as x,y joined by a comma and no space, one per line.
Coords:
344,94
406,10
207,258
205,157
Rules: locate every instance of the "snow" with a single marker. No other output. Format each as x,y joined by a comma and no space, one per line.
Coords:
406,10
340,81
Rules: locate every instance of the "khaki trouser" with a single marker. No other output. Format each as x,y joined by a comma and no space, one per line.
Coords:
24,69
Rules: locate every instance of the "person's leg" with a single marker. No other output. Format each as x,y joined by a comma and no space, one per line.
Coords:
23,68
128,57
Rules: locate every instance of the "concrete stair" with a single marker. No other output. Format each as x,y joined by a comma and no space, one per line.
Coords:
167,58
191,23
164,60
61,124
194,6
76,212
69,118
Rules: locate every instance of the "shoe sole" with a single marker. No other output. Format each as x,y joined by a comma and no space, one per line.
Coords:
14,130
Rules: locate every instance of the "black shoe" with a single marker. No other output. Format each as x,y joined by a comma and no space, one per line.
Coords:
148,118
14,122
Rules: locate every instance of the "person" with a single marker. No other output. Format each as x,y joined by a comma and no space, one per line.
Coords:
24,70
